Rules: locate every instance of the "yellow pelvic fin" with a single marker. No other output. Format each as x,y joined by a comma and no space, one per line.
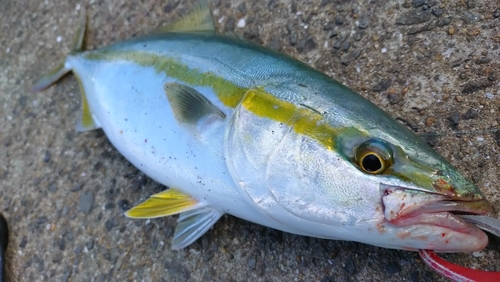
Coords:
168,202
198,19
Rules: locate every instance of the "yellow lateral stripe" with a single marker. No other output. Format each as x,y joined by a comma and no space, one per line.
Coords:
166,203
304,121
229,93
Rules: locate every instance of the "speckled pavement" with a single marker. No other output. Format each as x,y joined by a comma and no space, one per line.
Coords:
435,65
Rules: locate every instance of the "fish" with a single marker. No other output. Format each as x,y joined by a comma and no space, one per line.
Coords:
234,128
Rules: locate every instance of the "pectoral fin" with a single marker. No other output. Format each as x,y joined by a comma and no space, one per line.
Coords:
166,203
191,225
188,105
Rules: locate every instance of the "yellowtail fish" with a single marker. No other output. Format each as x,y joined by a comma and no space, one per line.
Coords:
235,128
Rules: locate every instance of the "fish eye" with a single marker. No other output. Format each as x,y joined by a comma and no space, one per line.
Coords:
371,163
374,156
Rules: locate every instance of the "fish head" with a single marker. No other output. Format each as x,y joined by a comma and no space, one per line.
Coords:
419,193
347,170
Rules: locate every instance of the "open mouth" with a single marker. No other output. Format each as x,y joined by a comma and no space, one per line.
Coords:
403,207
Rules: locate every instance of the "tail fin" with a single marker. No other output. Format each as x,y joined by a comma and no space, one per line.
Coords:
87,121
56,73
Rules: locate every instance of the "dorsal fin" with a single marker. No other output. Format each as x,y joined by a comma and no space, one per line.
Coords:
198,19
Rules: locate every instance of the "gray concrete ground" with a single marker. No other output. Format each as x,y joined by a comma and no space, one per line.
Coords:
434,64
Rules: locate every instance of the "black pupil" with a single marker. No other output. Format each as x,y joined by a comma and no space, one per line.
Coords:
371,163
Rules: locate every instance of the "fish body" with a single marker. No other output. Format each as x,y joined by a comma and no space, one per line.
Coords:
236,128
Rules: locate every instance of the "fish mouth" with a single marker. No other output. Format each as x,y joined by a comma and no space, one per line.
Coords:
401,203
406,207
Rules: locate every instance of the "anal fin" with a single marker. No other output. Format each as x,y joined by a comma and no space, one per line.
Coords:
191,225
168,202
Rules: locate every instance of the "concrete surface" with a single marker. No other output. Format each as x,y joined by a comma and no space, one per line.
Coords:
436,66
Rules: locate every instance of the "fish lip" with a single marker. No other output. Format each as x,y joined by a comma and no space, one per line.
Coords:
442,219
423,202
454,206
437,215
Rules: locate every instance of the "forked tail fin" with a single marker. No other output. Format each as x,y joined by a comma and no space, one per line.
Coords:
87,121
56,73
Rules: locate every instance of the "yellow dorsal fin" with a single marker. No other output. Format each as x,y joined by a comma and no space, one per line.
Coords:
168,202
198,19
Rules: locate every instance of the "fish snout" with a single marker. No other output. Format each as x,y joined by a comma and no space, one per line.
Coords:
424,220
